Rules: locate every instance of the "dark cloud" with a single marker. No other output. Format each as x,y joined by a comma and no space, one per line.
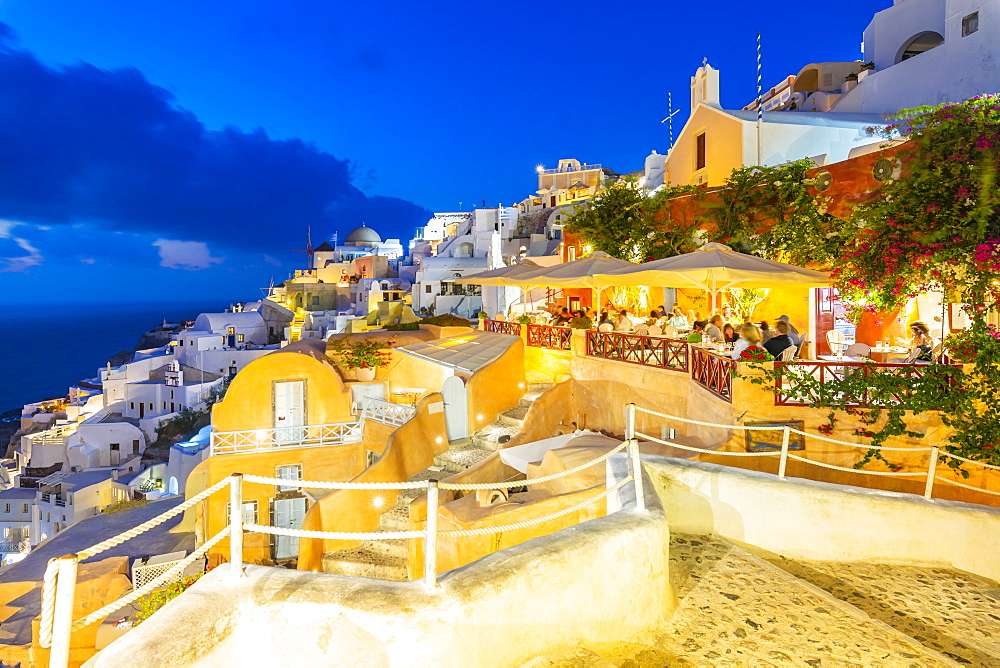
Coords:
78,143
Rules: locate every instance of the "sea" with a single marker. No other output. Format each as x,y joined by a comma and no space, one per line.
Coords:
43,351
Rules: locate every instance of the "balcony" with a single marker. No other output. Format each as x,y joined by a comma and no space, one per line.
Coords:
284,438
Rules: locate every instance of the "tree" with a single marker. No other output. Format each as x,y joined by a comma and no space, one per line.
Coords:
616,222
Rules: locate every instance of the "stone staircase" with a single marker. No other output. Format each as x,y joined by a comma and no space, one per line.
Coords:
387,559
740,609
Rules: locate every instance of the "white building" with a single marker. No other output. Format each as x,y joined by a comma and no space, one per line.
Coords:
246,327
62,499
16,512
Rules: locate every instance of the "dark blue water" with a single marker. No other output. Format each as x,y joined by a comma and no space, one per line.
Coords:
45,350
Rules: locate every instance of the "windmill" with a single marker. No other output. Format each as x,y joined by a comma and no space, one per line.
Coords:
309,250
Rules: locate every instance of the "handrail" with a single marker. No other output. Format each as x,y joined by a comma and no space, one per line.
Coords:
277,438
713,372
60,576
934,453
502,327
824,371
656,351
548,336
386,412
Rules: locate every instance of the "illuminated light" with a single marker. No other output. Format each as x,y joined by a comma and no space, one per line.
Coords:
520,386
539,168
260,435
587,249
438,440
479,417
378,501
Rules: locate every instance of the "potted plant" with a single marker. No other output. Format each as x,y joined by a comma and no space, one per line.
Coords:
365,356
852,77
867,66
524,320
581,322
482,319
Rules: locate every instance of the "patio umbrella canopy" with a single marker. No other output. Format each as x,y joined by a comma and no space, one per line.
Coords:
500,277
716,267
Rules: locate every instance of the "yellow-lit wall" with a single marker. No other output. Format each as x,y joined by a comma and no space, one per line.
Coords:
723,148
409,450
496,387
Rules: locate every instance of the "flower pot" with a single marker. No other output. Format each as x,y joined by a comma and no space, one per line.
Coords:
365,374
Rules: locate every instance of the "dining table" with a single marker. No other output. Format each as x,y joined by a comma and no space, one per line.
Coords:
881,355
841,358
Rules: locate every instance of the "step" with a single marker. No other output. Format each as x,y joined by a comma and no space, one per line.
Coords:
514,417
456,460
540,387
396,518
738,609
360,561
397,549
494,436
952,612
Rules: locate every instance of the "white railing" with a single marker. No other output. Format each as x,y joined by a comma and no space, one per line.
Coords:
385,412
143,574
277,438
934,454
59,583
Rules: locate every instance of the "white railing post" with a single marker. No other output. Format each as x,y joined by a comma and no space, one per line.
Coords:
629,421
635,463
783,459
931,470
62,620
430,536
236,523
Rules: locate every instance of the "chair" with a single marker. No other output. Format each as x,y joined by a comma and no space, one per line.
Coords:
655,331
788,354
641,330
837,342
605,327
909,359
803,349
858,350
670,332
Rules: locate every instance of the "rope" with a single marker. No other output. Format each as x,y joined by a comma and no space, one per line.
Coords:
767,453
970,461
531,481
949,481
146,526
853,470
483,531
48,603
335,535
319,484
763,428
136,594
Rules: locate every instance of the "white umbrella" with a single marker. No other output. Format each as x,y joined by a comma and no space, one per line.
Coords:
716,267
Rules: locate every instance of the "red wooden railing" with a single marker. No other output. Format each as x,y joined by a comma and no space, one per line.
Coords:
654,351
503,327
713,371
544,336
826,372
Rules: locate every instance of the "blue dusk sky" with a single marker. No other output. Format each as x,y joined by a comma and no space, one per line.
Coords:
164,152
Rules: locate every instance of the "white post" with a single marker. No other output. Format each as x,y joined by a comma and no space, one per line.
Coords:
629,422
430,536
783,460
636,465
236,523
62,619
931,469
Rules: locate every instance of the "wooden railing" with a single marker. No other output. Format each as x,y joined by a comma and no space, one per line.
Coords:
713,371
654,351
544,336
791,375
502,327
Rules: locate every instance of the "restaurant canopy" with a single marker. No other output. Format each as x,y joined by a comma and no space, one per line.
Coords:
501,276
716,267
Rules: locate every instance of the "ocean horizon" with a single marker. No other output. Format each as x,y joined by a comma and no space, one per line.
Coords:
48,349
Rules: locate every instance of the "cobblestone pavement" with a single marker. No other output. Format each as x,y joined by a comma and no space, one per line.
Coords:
953,612
737,609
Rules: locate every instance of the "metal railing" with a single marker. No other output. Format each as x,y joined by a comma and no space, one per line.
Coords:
791,374
569,170
713,372
655,351
545,336
502,327
59,582
143,574
386,412
934,454
279,438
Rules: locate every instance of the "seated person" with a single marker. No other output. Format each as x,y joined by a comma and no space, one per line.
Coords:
623,323
730,334
661,312
562,318
713,332
606,320
750,336
921,344
677,319
781,340
793,333
654,318
765,332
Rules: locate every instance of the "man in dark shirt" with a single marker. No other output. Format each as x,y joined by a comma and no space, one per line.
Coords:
793,333
776,344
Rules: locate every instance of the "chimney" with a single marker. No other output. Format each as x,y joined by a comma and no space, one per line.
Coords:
114,474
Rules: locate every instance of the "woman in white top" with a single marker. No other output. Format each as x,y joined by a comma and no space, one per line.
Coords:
623,323
749,336
677,319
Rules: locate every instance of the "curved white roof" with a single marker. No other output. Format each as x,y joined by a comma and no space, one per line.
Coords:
214,322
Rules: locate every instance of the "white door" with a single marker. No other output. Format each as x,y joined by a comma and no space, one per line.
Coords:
456,407
289,411
288,514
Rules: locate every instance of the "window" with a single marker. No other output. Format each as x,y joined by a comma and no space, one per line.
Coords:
6,507
25,508
230,331
427,289
289,472
315,301
131,405
699,159
249,512
69,500
135,445
115,447
240,338
970,24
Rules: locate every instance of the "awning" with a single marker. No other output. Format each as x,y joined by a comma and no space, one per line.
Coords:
468,353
